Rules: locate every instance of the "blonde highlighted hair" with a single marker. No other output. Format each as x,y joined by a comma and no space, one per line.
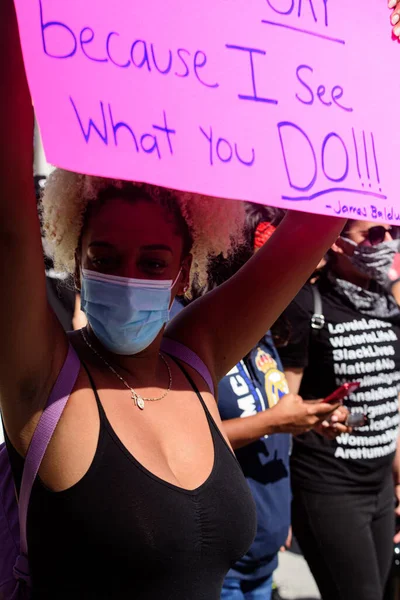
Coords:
215,225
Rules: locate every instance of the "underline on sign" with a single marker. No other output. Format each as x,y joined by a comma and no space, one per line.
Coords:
331,191
306,31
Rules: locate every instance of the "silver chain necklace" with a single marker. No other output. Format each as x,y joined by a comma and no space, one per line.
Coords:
137,398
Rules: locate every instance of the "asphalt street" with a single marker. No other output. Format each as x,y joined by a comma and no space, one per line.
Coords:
294,579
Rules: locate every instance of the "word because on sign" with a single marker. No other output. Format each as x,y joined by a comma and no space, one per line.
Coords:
283,102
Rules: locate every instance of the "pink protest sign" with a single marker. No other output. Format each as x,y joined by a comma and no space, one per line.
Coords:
290,103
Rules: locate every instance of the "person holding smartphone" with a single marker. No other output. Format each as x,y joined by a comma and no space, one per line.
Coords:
258,415
343,489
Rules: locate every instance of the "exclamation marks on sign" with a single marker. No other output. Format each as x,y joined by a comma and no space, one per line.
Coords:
375,161
356,151
365,158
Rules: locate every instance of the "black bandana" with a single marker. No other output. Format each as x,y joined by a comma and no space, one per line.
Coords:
374,303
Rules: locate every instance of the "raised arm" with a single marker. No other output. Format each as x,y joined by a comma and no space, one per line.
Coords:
31,343
224,325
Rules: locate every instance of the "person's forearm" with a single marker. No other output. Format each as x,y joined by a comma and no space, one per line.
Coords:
16,130
289,258
244,431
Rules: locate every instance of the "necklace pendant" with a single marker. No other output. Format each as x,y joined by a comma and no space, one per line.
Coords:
138,401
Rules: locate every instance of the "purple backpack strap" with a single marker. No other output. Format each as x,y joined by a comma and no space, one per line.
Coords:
41,438
178,350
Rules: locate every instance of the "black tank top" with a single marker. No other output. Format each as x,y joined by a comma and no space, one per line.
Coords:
121,532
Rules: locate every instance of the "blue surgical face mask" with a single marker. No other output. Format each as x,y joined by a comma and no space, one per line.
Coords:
126,315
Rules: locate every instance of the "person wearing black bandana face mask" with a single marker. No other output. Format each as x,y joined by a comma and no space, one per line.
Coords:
343,490
373,256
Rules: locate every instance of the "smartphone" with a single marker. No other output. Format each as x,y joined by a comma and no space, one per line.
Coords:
343,391
355,420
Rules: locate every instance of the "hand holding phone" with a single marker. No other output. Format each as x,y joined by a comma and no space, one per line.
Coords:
342,392
354,420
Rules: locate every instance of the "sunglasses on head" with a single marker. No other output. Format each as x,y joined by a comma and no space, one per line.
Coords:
376,235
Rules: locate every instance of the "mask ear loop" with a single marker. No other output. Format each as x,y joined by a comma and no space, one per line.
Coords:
176,279
185,289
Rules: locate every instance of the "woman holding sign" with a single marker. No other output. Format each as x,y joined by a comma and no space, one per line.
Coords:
138,494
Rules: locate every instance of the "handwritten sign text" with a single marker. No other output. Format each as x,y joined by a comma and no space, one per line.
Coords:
289,103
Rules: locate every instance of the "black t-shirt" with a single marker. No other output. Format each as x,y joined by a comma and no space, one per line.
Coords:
350,347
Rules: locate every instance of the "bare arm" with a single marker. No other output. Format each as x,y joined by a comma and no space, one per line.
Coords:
294,378
31,343
290,415
226,323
